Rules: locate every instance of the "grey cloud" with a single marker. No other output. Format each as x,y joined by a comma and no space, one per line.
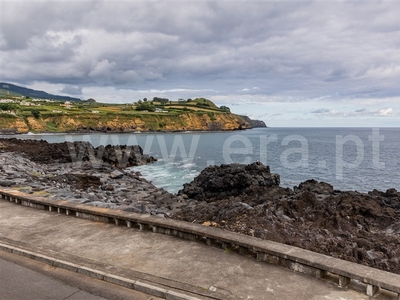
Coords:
72,90
21,21
361,110
381,112
377,112
320,111
291,51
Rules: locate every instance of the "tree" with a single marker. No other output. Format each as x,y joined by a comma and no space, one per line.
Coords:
35,113
225,108
163,101
7,106
145,106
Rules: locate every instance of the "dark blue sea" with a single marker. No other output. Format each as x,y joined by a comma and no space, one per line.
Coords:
360,159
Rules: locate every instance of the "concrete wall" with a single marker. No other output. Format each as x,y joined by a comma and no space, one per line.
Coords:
343,273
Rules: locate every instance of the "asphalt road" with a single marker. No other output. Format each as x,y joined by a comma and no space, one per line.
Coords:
22,279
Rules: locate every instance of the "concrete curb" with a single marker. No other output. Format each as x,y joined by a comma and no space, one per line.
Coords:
118,280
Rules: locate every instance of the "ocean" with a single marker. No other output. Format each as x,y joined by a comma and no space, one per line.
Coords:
360,159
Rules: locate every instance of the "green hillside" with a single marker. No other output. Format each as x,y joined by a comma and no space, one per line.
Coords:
21,113
8,89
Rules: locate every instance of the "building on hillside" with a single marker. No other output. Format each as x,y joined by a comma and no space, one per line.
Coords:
43,100
160,110
66,104
27,103
8,112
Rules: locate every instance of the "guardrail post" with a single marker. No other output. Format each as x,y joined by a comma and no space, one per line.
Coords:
372,290
306,269
142,226
261,256
243,250
344,281
226,246
321,274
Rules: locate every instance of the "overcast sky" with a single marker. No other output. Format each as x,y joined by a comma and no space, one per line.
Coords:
289,63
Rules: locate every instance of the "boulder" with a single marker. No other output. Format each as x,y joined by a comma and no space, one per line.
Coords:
116,174
123,156
218,182
315,186
7,183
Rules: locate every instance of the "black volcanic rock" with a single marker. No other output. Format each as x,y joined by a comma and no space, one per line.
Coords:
44,152
357,227
217,182
124,156
315,186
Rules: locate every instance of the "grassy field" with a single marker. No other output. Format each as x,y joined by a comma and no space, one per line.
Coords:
46,108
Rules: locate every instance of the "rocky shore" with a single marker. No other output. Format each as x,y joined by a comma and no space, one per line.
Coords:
80,173
358,227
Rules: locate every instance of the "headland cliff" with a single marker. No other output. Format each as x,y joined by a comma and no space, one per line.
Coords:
125,123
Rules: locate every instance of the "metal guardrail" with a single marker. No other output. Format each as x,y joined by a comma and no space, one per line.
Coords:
294,258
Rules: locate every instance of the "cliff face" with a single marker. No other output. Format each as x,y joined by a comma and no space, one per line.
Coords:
254,123
9,124
125,123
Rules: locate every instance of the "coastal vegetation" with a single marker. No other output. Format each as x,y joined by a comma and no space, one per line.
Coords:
21,114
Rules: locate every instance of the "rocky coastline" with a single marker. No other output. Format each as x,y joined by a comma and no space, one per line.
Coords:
122,123
358,227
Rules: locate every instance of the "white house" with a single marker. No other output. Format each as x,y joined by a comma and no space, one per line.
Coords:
160,110
6,101
25,103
